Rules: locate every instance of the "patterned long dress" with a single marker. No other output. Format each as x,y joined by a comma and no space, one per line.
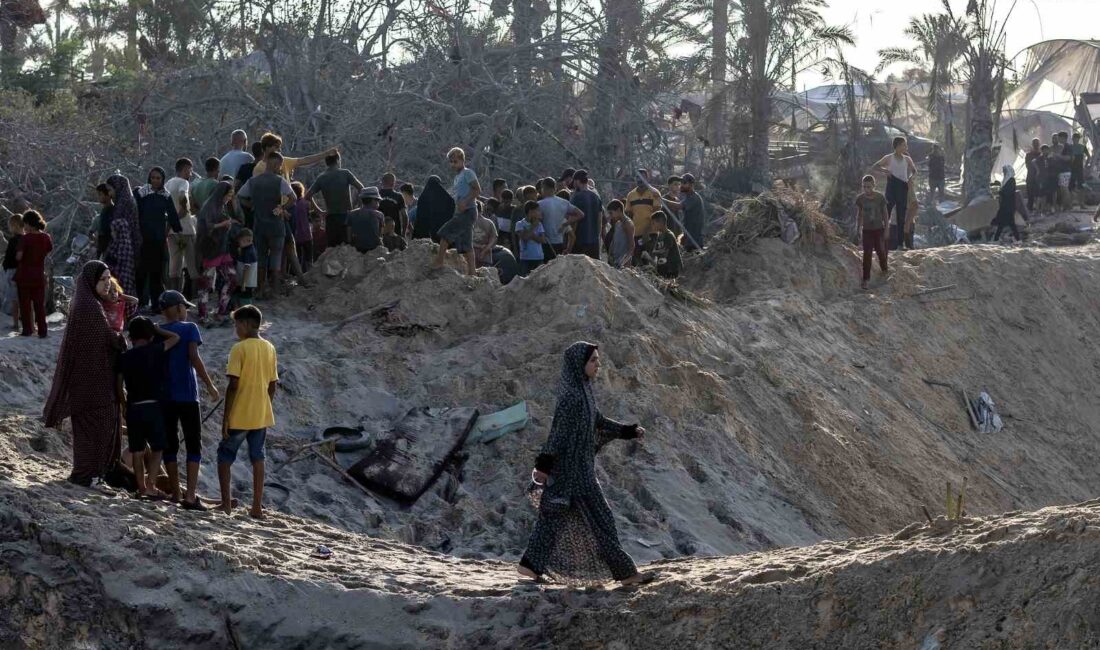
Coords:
575,539
125,239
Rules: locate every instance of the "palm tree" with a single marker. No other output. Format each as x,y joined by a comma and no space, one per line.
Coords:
781,38
971,48
938,52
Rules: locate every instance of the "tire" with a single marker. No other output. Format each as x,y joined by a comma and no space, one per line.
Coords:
347,438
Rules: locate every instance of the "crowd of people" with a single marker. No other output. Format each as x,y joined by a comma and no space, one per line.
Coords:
180,247
231,236
1055,182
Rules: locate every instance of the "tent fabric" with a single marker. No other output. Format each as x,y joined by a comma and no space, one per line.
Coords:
1016,131
1053,73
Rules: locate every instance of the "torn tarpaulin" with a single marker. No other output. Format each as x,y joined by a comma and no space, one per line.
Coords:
986,419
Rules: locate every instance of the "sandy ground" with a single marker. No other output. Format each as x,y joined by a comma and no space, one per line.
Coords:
785,408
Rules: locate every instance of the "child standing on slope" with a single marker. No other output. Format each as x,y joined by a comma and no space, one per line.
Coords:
458,231
141,371
9,293
871,215
253,374
30,275
181,399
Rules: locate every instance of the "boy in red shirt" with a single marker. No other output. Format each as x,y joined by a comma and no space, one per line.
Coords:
30,276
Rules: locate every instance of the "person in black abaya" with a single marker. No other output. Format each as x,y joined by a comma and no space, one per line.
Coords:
433,209
575,539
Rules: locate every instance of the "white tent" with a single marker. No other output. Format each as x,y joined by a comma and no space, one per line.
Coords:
1054,76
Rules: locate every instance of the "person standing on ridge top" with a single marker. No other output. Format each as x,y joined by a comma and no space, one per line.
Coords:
899,170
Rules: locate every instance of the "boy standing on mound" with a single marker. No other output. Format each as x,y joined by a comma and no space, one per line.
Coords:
871,214
253,373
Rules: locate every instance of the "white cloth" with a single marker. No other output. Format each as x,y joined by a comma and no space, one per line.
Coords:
899,168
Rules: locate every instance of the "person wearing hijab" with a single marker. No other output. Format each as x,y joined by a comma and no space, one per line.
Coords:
434,208
1006,211
218,269
84,386
125,240
156,214
575,538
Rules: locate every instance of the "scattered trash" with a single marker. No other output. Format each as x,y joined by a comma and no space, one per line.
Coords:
388,320
345,439
405,461
495,425
983,414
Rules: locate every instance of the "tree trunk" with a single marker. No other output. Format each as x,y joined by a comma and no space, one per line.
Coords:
720,26
758,27
978,155
10,61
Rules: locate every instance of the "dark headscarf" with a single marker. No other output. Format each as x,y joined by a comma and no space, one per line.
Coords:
83,378
212,242
573,380
434,208
147,189
126,208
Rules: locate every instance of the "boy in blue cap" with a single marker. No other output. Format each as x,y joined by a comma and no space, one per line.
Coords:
181,397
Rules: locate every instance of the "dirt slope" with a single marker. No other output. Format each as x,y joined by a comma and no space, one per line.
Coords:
785,407
97,569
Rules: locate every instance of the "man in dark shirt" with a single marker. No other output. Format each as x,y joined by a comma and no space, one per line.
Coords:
103,227
142,371
389,191
365,223
267,195
691,205
937,174
1034,175
335,185
590,227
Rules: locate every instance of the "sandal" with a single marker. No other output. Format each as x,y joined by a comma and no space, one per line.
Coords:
643,579
322,552
195,505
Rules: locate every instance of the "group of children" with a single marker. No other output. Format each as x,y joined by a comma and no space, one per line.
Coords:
158,380
23,295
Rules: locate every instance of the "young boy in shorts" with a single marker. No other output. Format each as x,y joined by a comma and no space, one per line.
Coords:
141,372
253,374
181,398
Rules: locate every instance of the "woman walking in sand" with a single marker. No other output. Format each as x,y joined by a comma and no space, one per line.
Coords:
125,241
84,379
575,537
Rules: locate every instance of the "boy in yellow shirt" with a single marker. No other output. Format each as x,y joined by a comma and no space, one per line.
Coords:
253,373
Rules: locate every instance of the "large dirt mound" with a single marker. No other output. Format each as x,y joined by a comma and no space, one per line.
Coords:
83,568
784,406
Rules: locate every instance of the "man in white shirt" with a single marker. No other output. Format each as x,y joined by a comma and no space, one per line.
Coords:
237,155
557,215
181,246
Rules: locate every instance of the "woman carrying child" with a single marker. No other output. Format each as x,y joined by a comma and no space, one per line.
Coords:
219,272
84,379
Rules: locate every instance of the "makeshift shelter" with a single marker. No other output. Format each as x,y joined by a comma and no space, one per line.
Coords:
1058,91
